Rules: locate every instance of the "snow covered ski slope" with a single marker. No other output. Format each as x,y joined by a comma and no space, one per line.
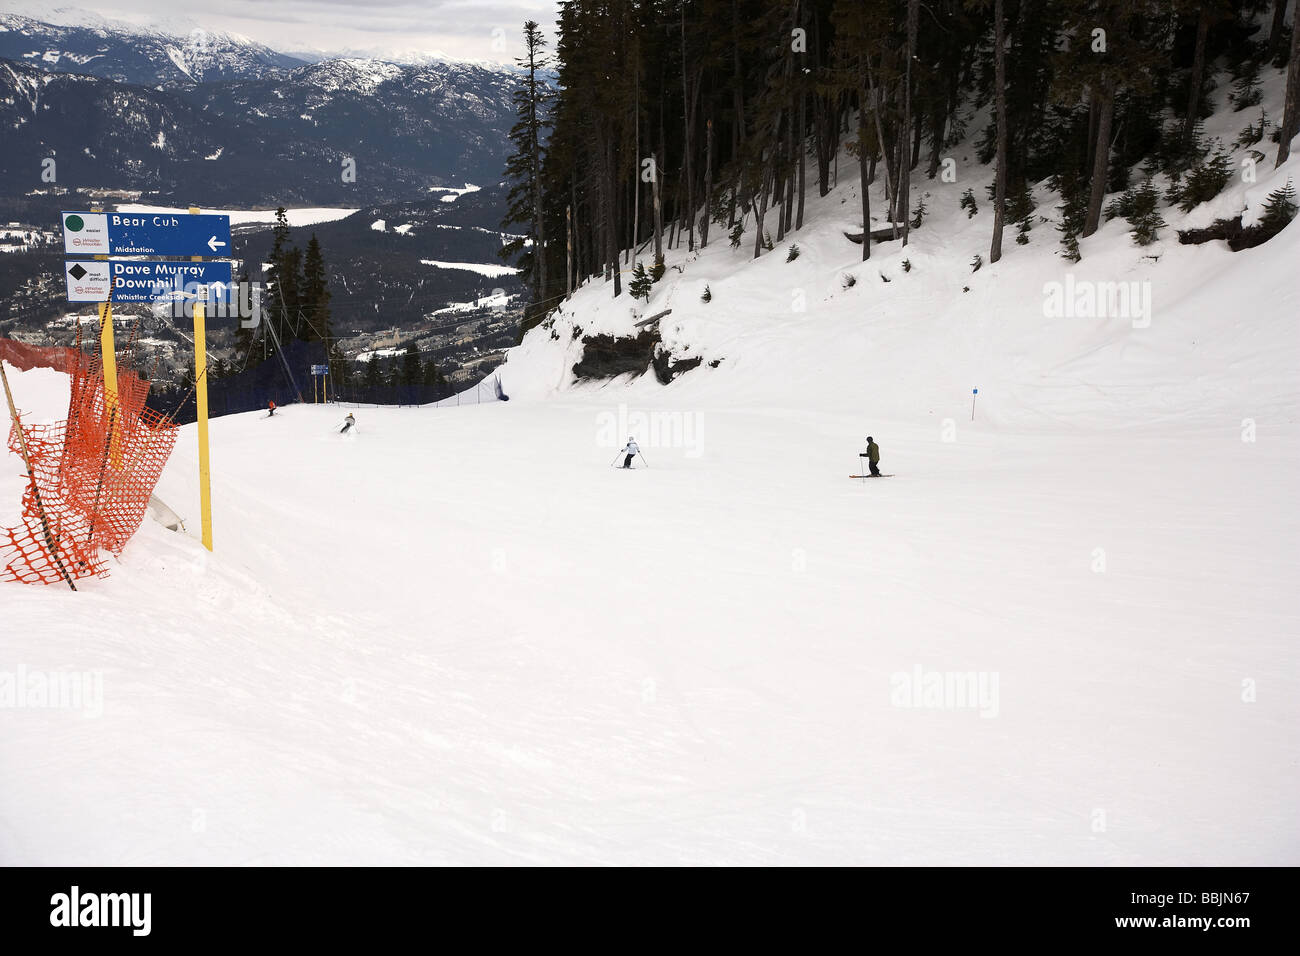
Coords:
1066,635
458,637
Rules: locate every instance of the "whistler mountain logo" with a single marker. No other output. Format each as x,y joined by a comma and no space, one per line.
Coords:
74,909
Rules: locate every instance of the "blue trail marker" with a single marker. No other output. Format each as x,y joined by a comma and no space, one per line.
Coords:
131,280
146,234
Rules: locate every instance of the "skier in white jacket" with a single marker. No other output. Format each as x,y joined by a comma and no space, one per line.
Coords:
631,451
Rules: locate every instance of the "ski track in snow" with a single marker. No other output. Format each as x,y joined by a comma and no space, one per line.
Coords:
508,652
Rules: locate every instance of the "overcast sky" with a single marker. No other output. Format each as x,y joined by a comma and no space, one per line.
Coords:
464,29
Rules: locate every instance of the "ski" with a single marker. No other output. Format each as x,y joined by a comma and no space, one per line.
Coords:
871,476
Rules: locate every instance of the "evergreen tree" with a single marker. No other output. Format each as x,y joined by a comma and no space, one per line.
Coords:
432,377
1020,210
412,372
1279,209
641,284
315,295
1206,181
246,337
1290,126
1111,48
524,166
1144,215
1074,212
280,297
372,379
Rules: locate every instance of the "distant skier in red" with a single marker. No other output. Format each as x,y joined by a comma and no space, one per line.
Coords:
270,409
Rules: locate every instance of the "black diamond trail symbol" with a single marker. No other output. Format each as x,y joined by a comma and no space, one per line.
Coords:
77,272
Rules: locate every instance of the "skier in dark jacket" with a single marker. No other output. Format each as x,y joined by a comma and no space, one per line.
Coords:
872,454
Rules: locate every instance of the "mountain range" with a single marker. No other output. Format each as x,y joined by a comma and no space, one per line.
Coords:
216,118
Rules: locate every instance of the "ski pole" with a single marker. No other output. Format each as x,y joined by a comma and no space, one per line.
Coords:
642,457
615,461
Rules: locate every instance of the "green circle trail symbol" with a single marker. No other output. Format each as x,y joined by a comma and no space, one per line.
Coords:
74,223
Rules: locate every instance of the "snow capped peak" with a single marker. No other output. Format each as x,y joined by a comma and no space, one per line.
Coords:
355,73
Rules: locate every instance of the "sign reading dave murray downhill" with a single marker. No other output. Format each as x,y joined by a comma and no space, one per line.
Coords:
145,234
133,280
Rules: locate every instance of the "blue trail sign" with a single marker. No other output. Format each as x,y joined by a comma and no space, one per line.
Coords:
131,280
145,234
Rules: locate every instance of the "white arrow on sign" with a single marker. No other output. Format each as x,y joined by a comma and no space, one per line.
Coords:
212,243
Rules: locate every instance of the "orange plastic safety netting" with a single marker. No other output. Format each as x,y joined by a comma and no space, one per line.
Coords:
92,474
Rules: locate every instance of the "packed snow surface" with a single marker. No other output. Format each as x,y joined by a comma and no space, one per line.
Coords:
1063,631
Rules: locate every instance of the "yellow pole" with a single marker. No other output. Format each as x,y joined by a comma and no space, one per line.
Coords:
108,362
108,359
201,399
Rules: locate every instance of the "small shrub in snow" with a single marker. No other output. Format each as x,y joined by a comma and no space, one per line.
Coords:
1279,209
907,265
793,254
1020,210
1246,91
1176,152
640,284
707,296
1252,134
968,203
767,241
1206,181
657,270
850,280
1123,206
1144,214
918,214
1074,211
976,262
884,278
737,232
